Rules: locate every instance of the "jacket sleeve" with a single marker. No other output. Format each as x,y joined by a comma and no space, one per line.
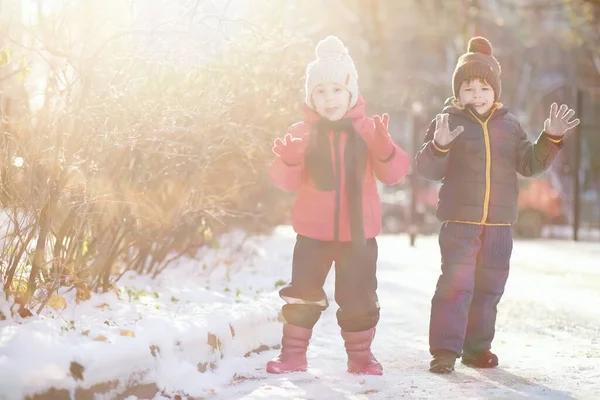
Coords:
285,176
432,160
393,169
533,159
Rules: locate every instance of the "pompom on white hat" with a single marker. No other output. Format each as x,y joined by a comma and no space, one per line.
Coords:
333,65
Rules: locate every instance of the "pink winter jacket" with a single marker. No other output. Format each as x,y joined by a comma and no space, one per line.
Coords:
314,211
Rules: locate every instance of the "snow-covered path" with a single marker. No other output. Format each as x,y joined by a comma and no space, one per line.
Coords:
548,332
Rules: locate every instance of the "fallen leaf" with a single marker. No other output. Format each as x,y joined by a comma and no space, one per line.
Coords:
83,292
154,350
57,302
213,341
76,370
100,338
24,312
125,332
202,367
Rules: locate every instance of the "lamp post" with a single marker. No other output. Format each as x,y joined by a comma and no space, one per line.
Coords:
417,110
577,168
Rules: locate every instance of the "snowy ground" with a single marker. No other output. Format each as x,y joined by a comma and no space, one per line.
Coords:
548,336
156,330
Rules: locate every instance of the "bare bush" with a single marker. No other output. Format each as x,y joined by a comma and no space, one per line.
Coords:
133,161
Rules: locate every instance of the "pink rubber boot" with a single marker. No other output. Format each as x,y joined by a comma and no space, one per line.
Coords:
360,358
293,351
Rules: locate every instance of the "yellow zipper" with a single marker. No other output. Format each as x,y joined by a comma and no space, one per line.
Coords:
488,165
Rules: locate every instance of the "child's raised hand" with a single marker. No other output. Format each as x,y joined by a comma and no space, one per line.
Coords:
442,135
290,149
381,124
379,141
558,123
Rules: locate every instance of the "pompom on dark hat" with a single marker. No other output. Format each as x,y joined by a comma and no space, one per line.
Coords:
478,62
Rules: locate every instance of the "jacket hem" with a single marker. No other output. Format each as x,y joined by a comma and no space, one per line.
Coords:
478,223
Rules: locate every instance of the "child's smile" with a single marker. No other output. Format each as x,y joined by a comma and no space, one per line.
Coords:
331,100
478,94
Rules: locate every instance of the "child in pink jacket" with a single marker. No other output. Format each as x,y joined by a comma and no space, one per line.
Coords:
331,160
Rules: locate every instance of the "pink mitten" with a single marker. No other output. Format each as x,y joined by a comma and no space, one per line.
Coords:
290,149
379,141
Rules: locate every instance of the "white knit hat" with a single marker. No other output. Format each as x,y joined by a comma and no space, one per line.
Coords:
333,65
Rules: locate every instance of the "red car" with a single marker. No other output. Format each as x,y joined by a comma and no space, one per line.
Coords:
539,204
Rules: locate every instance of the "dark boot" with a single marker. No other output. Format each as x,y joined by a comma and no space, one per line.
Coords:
293,350
360,358
480,359
443,362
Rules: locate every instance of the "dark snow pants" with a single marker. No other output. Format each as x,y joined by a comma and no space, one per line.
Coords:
475,265
355,284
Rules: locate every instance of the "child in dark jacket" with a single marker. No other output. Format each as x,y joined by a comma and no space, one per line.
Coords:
476,147
331,159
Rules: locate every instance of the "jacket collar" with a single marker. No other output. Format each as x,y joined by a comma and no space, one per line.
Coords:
453,107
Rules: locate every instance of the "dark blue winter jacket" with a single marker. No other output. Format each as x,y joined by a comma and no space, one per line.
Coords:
479,168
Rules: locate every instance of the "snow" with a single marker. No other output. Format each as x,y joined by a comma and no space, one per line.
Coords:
547,337
113,334
548,329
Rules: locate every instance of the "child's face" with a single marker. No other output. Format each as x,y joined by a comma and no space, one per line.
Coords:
478,94
331,100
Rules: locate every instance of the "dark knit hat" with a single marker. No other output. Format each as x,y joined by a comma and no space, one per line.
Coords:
478,62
